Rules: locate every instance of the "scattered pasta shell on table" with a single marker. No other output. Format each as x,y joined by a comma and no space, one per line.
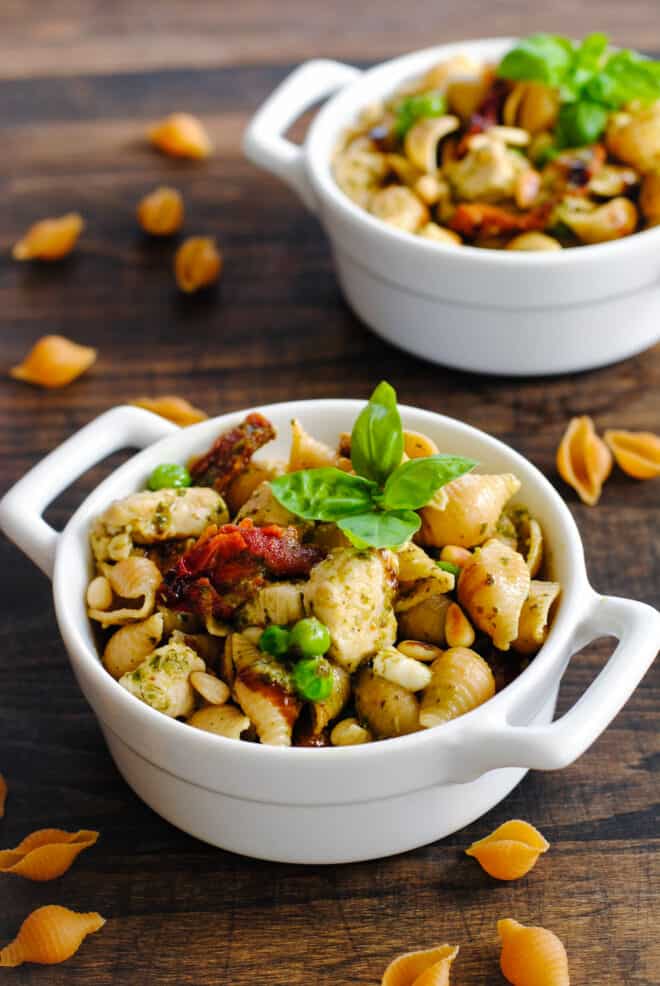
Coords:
181,135
46,854
636,452
49,935
50,239
54,361
3,795
161,211
584,460
428,967
176,409
197,263
510,851
532,956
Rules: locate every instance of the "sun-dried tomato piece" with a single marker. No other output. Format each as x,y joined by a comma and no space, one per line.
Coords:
227,565
481,218
231,452
489,112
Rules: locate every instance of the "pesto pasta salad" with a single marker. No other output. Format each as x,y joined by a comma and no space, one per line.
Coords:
557,145
345,595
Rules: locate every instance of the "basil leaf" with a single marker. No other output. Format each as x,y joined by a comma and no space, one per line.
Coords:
540,57
419,107
413,484
377,436
323,494
625,77
378,529
580,123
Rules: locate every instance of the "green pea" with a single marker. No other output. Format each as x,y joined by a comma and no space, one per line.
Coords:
312,678
169,476
310,637
275,640
447,566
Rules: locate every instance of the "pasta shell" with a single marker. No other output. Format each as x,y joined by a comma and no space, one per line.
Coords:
510,851
3,795
584,460
49,935
128,646
532,956
181,135
176,409
54,361
429,967
131,578
461,681
308,453
465,512
349,732
418,446
388,709
636,452
50,239
327,710
425,621
247,481
492,588
422,140
265,694
46,854
533,624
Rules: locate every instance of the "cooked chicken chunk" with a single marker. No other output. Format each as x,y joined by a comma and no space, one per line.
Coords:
352,592
487,173
162,679
149,517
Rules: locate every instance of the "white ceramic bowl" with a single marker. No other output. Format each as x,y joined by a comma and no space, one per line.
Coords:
493,311
329,805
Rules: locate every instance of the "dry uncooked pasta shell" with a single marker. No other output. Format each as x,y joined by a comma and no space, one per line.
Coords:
46,854
181,135
584,460
510,851
636,452
428,967
532,956
3,795
49,935
50,239
176,409
54,361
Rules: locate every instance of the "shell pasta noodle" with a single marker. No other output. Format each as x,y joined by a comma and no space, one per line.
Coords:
532,956
428,967
54,361
509,852
343,594
525,154
584,460
50,935
46,854
637,453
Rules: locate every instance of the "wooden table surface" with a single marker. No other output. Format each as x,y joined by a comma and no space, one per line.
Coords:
79,81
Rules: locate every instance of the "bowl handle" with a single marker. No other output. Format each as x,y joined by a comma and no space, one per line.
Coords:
21,508
263,142
637,628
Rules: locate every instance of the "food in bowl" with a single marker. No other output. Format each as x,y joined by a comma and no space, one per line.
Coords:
356,594
555,146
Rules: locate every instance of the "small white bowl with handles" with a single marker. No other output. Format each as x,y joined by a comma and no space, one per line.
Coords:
338,804
491,311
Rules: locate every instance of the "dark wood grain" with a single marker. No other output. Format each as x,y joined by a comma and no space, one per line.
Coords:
79,82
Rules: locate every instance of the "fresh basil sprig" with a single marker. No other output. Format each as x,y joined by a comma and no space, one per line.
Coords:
375,508
591,80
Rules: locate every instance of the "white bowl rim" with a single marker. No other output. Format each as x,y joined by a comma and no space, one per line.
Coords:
561,633
319,166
